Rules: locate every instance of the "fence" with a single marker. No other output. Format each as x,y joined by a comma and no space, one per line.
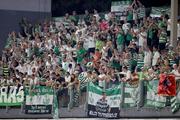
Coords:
123,99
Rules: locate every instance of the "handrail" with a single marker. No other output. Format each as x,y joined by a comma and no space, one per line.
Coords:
140,104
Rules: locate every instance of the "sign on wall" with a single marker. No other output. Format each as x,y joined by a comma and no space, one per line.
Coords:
39,100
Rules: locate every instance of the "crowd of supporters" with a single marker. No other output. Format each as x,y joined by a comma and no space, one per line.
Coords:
104,49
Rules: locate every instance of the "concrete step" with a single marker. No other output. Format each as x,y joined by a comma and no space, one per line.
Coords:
74,112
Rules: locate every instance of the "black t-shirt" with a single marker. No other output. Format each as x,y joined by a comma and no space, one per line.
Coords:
61,80
109,53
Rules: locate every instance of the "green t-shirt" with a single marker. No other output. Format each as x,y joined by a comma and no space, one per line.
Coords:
99,45
8,43
130,16
56,50
115,64
60,59
42,79
75,19
142,75
161,24
80,55
120,39
36,51
129,37
151,33
132,64
87,18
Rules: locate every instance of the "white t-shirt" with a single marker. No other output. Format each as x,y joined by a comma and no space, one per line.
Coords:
177,74
178,30
126,27
48,46
34,81
68,78
135,30
82,30
147,58
10,81
91,42
20,68
97,17
65,65
70,70
142,40
63,47
50,42
104,53
169,25
155,58
27,50
135,14
128,75
68,36
108,16
29,69
123,17
102,82
54,61
48,64
69,48
86,42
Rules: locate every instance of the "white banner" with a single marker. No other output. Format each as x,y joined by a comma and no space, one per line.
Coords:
39,100
11,95
112,101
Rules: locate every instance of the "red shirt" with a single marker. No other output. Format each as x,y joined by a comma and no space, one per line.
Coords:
104,25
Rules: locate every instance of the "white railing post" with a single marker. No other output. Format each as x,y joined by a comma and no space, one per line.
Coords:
122,94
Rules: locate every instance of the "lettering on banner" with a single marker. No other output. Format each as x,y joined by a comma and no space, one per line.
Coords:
101,114
11,94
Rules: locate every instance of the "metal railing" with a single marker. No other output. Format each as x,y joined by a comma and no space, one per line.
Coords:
69,97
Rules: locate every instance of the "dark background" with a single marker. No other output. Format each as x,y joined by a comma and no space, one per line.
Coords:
60,7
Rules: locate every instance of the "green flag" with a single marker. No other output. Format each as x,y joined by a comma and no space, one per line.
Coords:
152,98
130,96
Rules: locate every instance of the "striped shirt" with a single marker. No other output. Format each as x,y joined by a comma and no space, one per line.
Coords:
140,61
5,70
83,80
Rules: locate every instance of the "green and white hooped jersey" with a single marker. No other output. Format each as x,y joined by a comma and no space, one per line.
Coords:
163,37
140,61
83,79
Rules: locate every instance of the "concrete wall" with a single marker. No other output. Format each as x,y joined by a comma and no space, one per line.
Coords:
179,8
26,5
12,11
